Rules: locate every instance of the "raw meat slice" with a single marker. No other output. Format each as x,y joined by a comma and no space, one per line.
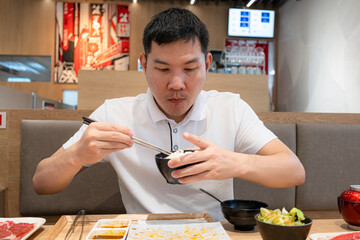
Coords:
10,230
347,236
4,231
21,229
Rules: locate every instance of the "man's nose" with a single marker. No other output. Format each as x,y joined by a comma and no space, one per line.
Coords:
176,82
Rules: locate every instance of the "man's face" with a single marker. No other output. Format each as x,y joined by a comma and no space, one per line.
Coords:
176,73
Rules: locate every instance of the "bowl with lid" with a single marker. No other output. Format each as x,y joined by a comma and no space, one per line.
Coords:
349,206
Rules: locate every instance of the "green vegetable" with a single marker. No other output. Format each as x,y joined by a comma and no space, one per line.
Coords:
282,217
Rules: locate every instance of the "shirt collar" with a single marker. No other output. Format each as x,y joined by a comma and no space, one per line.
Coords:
197,112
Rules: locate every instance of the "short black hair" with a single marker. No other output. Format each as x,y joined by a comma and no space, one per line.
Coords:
175,24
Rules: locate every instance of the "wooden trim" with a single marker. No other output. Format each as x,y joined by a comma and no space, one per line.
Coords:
3,198
298,117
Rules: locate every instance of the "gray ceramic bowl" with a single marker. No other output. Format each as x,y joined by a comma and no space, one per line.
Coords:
162,164
276,232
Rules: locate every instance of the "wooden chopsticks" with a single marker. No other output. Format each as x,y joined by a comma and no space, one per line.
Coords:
87,121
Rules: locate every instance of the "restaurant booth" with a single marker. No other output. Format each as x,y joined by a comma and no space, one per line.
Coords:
320,141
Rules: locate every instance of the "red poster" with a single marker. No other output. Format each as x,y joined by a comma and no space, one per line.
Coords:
90,36
68,24
123,29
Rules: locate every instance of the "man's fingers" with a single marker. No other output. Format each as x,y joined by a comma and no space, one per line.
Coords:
194,178
196,140
108,132
102,126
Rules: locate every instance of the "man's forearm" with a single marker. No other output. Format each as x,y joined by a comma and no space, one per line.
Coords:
55,173
278,171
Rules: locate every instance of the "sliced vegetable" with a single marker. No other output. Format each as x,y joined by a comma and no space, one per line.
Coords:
282,217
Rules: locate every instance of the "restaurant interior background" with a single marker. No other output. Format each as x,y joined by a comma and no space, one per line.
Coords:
316,47
316,58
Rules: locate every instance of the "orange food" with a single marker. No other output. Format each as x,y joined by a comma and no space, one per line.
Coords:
109,235
114,225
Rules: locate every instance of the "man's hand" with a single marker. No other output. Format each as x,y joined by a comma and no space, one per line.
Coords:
213,162
54,174
274,165
100,139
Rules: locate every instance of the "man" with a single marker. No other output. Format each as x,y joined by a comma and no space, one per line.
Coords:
175,114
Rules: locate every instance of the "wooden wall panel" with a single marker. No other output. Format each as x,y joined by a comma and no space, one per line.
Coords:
96,86
28,28
253,89
46,90
4,149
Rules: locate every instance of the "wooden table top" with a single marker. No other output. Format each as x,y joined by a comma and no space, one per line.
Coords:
59,230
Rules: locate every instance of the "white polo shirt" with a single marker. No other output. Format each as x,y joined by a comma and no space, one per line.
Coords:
222,118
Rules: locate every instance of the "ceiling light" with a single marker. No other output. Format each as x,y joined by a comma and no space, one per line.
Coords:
18,79
134,1
192,2
250,3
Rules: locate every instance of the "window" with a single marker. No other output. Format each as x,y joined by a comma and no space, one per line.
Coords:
17,68
70,97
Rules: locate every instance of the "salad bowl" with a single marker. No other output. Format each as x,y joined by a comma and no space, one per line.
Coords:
272,231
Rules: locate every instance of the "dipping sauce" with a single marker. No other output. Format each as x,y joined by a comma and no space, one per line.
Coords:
108,235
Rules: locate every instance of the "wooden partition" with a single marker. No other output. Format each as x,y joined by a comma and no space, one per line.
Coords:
10,140
96,86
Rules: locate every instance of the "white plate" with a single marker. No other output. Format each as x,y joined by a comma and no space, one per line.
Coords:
38,223
213,230
316,236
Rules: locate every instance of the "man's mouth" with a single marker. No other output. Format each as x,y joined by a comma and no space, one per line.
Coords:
177,100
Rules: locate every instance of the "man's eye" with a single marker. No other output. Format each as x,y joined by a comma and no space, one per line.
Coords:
163,69
189,69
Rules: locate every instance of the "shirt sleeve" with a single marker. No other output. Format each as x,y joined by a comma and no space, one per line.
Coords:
252,134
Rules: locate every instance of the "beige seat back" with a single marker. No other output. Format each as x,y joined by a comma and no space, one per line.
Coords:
95,189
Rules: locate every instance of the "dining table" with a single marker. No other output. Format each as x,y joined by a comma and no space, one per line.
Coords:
323,222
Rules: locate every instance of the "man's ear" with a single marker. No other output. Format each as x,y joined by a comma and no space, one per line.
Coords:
208,60
143,61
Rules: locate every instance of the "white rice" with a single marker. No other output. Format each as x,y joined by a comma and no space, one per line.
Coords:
178,154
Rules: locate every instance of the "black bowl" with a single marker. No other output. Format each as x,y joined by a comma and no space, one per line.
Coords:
270,231
241,213
162,164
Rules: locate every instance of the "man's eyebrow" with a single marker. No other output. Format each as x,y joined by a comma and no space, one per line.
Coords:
161,62
196,59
